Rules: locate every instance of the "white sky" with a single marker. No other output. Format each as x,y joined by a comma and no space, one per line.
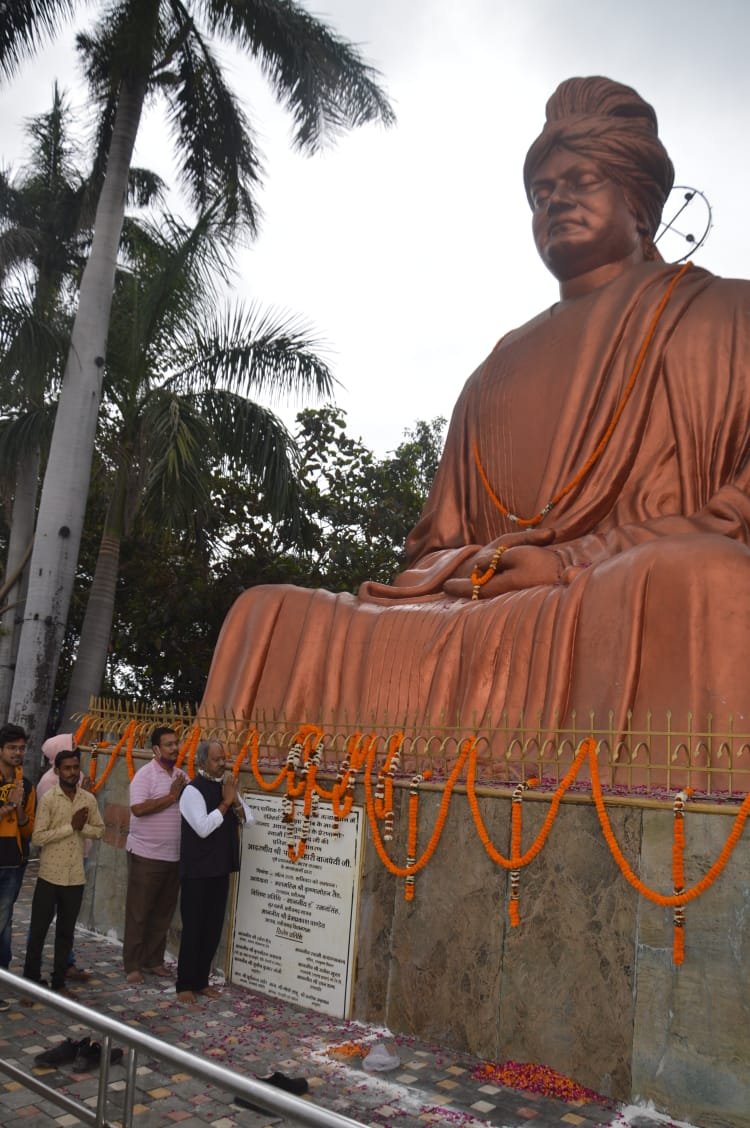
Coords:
409,249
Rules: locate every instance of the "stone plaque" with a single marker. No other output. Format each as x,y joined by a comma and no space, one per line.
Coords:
296,922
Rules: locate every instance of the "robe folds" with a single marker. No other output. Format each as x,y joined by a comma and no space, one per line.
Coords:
658,620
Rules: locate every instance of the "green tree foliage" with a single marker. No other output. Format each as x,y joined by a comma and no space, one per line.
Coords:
173,593
182,373
361,507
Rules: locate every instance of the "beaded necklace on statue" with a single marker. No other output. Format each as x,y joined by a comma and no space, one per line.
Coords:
575,481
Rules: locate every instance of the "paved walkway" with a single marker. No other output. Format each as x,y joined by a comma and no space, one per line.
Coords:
256,1035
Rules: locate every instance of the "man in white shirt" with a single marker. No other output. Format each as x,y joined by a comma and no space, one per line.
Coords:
153,847
212,815
66,816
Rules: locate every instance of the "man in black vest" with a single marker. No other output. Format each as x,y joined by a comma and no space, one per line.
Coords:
212,811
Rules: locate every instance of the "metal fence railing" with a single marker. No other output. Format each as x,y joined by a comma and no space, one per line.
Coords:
294,1110
654,752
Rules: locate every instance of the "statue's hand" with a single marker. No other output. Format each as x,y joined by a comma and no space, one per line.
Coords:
481,560
526,563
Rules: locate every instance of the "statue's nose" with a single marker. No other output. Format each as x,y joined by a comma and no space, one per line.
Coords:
560,197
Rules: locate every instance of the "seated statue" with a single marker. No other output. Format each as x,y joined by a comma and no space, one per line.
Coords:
585,543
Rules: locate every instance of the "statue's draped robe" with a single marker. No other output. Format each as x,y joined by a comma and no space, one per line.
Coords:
659,620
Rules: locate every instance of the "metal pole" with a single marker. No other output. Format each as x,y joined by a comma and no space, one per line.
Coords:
129,1094
101,1097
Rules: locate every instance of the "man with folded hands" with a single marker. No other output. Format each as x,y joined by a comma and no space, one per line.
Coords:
67,815
153,849
212,815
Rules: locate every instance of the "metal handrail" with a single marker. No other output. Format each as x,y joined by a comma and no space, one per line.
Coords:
274,1100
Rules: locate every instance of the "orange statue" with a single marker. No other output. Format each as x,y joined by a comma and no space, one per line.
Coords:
585,543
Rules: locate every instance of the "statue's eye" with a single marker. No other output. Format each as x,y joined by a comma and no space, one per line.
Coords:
588,180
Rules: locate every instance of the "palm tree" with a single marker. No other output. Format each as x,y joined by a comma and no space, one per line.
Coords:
40,248
140,49
177,409
45,229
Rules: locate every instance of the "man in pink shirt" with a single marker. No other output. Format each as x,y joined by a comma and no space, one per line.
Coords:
153,847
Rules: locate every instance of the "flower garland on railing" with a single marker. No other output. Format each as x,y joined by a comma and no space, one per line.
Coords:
187,750
411,842
81,732
515,850
418,863
304,757
678,874
126,741
299,778
379,808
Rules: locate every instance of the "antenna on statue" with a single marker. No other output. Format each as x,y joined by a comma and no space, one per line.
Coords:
687,229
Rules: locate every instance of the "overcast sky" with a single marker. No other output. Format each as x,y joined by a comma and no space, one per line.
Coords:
409,249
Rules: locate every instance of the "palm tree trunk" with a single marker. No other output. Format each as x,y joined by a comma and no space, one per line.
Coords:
16,570
96,630
66,482
93,645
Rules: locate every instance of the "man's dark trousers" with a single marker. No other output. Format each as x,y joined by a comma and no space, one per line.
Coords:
65,900
203,901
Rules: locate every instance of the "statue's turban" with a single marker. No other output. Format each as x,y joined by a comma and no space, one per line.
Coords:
612,125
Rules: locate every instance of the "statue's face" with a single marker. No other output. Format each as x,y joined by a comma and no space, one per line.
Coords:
581,219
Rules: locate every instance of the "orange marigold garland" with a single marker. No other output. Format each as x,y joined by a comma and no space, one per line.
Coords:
342,793
305,756
188,748
384,786
593,458
82,731
515,850
93,762
650,894
404,871
308,772
678,874
585,747
292,763
98,784
242,754
255,766
411,843
129,754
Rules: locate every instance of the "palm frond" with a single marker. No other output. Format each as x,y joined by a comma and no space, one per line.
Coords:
254,351
17,246
122,46
145,188
217,154
249,438
321,78
32,349
169,285
25,25
177,443
24,431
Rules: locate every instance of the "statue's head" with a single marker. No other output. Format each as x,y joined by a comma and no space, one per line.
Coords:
597,177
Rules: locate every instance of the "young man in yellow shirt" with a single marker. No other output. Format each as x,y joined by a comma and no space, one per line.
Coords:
67,815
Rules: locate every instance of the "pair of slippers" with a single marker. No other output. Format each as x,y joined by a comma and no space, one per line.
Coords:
84,1055
296,1085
